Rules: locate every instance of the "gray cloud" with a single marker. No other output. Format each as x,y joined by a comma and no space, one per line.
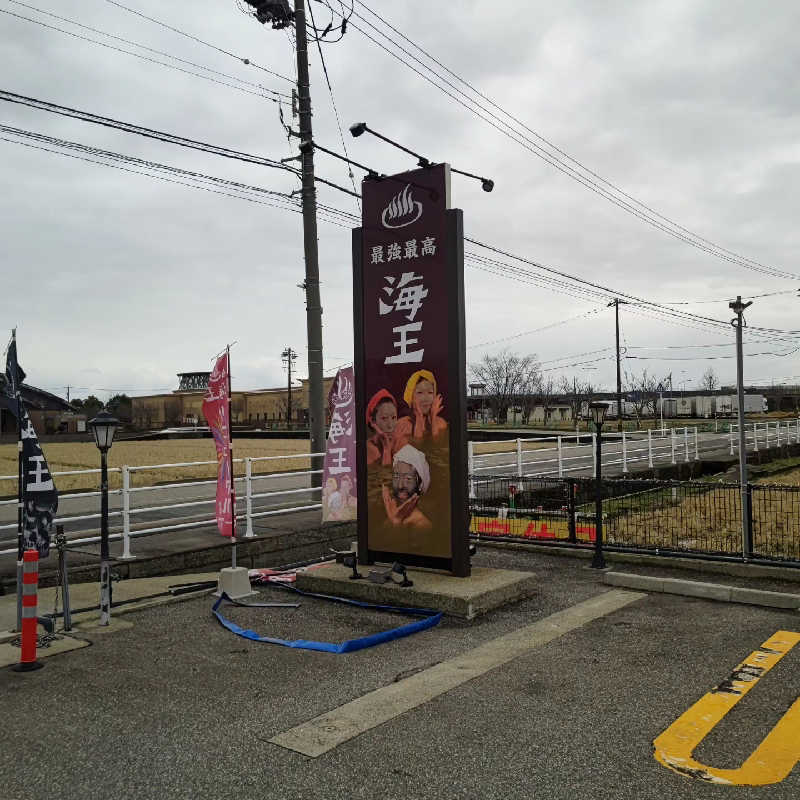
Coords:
691,107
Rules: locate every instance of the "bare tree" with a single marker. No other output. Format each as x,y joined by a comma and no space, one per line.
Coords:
529,387
576,391
709,381
504,376
643,392
546,390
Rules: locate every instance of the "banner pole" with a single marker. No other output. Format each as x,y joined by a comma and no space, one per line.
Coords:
230,460
20,483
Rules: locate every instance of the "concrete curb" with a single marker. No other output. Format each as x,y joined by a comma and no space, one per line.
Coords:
706,591
732,568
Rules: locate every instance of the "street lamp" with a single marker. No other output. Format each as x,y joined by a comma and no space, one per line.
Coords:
104,426
598,415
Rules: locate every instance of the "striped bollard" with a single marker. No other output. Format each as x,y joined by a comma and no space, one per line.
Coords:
30,609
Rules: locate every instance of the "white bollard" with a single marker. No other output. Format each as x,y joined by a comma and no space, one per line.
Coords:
471,468
686,442
755,437
696,447
730,430
649,448
126,513
624,453
672,442
248,484
519,458
560,460
778,433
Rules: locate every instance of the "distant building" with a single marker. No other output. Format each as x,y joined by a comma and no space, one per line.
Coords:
49,413
257,408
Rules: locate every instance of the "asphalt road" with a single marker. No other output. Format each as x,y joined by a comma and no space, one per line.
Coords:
178,707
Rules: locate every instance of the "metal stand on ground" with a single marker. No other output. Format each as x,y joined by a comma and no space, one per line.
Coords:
61,542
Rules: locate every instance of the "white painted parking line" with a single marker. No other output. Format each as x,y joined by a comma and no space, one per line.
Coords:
323,733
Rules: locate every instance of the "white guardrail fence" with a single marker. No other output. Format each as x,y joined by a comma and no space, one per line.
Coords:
576,452
568,453
128,511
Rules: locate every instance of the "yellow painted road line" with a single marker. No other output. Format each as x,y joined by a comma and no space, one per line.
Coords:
317,736
771,761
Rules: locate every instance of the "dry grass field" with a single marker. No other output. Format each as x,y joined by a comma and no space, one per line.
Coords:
712,521
69,456
485,448
788,478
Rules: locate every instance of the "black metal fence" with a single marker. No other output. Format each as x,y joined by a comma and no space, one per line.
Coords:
668,517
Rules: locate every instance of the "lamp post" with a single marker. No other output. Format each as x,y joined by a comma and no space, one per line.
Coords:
104,426
598,414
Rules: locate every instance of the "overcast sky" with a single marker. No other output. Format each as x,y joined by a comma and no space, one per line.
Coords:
117,281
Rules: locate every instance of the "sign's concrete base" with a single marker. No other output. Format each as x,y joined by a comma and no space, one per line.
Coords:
234,581
466,598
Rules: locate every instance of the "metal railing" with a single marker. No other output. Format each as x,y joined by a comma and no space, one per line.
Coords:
125,516
700,518
573,453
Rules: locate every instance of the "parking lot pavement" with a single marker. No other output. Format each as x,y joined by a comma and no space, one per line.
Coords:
178,707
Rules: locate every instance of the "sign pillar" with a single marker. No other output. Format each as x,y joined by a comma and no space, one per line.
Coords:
410,373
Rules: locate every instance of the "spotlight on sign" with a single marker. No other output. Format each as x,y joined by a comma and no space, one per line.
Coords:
357,129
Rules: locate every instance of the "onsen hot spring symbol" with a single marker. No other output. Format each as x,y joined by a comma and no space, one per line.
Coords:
402,207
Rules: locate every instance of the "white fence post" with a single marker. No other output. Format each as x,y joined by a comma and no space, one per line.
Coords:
248,488
126,513
730,431
649,448
471,469
672,442
594,457
624,453
755,437
560,460
696,447
686,442
778,433
519,458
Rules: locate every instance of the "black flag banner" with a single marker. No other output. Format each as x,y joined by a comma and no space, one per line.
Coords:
40,498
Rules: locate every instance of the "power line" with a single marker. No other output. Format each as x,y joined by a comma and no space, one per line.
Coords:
635,207
564,282
144,57
289,205
333,103
139,130
535,330
246,61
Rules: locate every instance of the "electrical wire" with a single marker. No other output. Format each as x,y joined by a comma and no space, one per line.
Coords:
535,330
555,280
335,110
288,205
635,207
246,61
143,57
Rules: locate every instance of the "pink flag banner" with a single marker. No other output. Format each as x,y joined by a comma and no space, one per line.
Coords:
339,469
216,410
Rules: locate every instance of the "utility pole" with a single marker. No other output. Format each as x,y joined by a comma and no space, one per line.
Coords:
616,302
279,14
289,356
738,308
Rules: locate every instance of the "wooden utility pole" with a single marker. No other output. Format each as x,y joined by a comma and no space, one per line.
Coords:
288,356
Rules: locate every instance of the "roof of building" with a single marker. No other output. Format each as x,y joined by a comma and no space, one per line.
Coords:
36,399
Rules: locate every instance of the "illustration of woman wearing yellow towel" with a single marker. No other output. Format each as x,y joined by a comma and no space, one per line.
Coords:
425,405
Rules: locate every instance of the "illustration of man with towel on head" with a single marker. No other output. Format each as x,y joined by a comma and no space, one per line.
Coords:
411,478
